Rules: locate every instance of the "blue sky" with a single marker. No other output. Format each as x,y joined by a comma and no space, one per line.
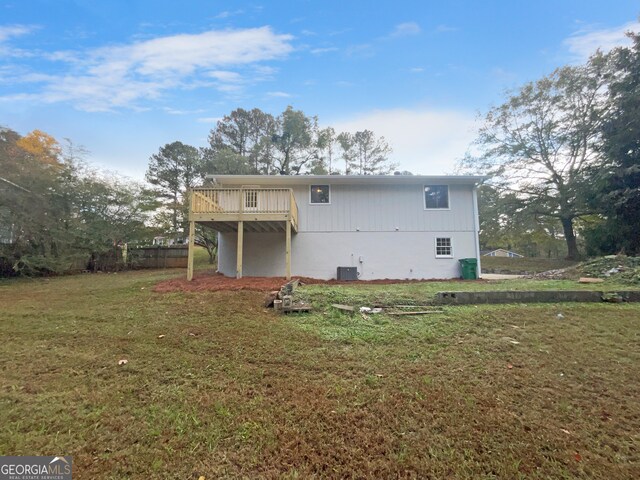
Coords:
123,78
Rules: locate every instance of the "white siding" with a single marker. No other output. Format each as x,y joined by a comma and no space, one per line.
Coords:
383,208
396,255
384,230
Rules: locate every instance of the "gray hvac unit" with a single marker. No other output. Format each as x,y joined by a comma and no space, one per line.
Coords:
347,273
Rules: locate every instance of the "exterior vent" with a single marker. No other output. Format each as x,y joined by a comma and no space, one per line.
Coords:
347,273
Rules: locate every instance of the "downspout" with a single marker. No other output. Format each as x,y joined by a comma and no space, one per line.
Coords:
476,227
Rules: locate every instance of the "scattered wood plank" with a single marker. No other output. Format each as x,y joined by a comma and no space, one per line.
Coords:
590,280
269,298
411,306
344,308
289,287
423,312
387,306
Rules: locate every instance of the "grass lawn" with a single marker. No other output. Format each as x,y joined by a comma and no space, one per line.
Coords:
232,390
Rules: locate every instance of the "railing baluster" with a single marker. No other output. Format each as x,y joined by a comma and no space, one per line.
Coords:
237,200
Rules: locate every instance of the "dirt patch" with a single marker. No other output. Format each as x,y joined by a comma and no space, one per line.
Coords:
217,282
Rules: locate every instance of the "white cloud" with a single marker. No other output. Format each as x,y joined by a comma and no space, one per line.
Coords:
405,29
445,29
279,94
585,42
225,76
177,111
424,141
417,70
8,31
184,53
265,71
229,13
317,51
209,119
118,76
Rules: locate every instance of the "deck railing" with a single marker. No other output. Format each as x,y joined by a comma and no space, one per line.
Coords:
258,201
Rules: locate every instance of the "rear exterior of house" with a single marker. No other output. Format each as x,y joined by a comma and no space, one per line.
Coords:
395,227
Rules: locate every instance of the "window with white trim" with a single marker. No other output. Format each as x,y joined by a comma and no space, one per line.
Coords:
319,194
444,247
436,196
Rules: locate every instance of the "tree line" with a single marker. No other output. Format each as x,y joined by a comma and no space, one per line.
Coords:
562,154
253,142
563,157
57,213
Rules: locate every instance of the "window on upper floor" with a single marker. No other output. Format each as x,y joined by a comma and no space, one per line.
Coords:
320,194
444,248
436,196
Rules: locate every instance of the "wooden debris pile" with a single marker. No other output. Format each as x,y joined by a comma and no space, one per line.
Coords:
283,300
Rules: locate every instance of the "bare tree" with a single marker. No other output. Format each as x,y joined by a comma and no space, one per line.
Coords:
541,142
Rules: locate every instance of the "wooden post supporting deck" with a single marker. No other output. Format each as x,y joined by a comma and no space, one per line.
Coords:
239,254
288,251
192,234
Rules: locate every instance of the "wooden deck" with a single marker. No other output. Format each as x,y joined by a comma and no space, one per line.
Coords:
252,209
262,209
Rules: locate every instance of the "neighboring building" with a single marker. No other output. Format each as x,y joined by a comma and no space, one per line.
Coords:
501,252
396,227
162,241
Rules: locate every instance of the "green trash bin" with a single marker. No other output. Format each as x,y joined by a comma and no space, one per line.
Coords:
469,267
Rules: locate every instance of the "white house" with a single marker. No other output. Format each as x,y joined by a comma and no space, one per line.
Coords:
501,252
396,227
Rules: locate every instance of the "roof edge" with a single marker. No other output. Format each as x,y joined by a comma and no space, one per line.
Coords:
342,179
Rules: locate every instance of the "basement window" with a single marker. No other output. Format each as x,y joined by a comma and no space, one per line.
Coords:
320,194
444,248
436,197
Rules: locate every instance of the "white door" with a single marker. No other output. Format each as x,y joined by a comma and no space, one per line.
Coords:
250,200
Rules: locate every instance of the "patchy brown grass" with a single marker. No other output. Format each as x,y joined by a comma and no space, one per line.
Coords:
233,391
524,265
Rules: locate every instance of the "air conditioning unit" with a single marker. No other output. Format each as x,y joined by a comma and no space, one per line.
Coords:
347,273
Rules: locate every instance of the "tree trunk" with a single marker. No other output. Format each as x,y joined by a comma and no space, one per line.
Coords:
212,254
175,213
570,237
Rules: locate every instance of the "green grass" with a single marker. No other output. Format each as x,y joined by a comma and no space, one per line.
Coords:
234,391
420,292
201,259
